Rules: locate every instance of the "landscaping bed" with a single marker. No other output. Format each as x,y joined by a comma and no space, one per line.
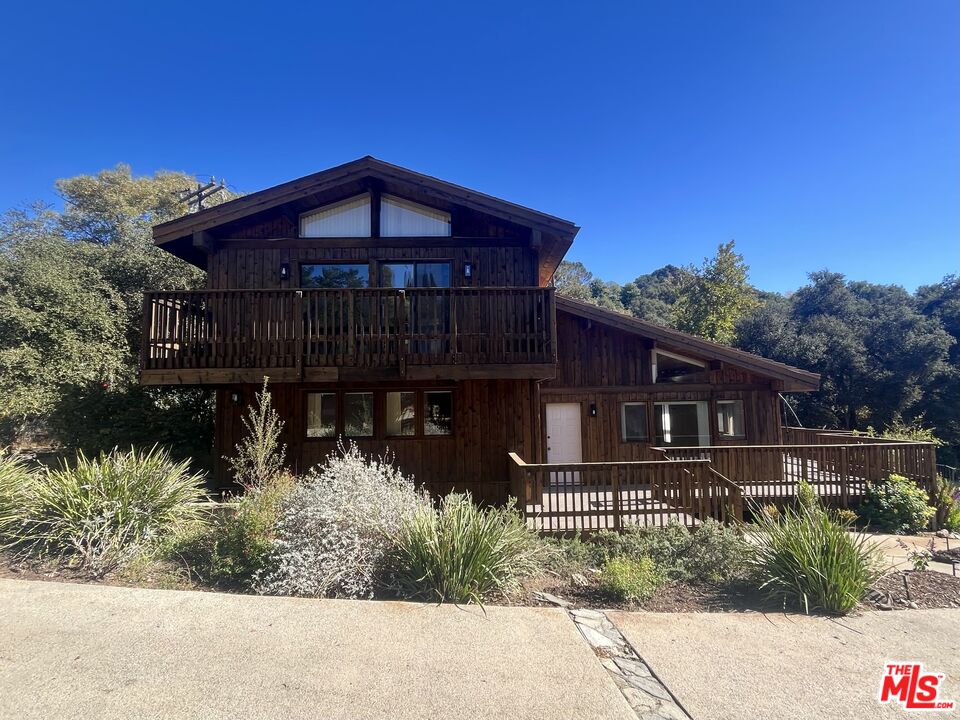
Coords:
911,589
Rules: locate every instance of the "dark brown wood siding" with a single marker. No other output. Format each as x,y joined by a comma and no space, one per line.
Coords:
253,267
490,419
606,367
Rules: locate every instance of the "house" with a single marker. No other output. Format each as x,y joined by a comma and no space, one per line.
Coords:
405,312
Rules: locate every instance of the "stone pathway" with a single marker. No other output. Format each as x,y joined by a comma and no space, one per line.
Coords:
647,695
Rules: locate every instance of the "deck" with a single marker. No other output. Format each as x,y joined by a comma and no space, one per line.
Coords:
222,336
689,485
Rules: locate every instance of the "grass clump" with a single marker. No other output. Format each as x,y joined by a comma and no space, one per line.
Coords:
896,505
461,553
631,580
16,486
99,513
808,558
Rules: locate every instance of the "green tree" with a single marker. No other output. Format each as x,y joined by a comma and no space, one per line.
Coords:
713,298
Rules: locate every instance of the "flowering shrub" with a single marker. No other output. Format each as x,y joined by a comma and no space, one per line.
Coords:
896,505
337,526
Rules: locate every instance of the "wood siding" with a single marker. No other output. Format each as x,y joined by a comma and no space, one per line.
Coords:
491,418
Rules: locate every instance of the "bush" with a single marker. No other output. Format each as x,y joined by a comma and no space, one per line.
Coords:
809,559
846,516
260,455
714,553
571,555
236,545
896,505
16,485
101,512
461,553
337,526
946,501
630,580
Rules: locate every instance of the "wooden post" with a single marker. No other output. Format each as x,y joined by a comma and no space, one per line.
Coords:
454,355
298,332
615,489
401,333
844,477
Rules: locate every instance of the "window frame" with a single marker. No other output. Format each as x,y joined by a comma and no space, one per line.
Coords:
414,262
704,403
400,202
645,405
743,420
675,356
379,413
371,201
353,263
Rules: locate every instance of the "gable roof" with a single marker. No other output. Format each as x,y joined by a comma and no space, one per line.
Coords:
794,379
557,234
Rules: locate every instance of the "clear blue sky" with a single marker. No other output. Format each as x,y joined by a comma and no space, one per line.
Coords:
816,134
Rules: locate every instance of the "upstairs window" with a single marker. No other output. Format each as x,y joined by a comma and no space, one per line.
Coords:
334,275
730,419
670,367
402,218
347,218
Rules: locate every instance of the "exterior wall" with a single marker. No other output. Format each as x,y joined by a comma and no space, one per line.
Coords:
490,419
241,266
605,367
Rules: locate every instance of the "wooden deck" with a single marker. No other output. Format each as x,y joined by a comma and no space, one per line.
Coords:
221,336
688,485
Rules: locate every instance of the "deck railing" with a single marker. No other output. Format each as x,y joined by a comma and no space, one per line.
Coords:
838,473
364,328
817,436
564,498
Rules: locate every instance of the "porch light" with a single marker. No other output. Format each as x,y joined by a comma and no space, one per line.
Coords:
284,271
467,271
593,409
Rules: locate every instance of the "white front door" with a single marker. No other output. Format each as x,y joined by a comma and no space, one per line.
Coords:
563,439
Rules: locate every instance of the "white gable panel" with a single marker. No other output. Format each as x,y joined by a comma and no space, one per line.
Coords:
402,218
347,218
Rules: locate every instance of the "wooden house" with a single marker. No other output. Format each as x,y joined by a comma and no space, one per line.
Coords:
405,312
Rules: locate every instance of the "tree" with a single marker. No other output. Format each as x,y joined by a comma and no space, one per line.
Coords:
713,298
573,280
651,297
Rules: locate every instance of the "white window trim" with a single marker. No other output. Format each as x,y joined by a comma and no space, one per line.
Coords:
675,356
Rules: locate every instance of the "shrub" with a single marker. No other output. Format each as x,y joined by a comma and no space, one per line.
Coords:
808,558
570,555
16,485
237,543
260,454
714,553
946,501
846,516
896,505
462,553
101,512
336,527
630,580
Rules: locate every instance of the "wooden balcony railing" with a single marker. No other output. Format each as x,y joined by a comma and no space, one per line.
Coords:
371,328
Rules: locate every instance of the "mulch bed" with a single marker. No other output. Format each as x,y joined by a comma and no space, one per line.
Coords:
915,589
947,556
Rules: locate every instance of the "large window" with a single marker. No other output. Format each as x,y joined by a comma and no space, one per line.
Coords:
347,218
670,367
438,413
633,422
682,424
730,419
402,218
390,414
415,274
321,415
334,275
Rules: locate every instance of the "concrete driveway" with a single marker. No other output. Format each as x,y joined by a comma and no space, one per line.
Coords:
88,651
782,667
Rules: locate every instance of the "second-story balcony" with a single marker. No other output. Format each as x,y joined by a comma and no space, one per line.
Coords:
318,335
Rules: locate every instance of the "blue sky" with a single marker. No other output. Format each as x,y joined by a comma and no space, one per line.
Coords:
816,134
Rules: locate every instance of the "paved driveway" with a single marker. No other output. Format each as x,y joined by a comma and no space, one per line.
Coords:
751,666
86,651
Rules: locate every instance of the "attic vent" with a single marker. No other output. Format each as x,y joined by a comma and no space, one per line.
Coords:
347,218
402,218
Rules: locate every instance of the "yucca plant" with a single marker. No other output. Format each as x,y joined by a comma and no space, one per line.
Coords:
16,484
99,512
461,553
809,557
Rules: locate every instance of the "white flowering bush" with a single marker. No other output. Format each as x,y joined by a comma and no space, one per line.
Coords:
338,526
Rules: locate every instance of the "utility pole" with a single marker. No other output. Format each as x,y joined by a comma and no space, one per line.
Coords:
194,198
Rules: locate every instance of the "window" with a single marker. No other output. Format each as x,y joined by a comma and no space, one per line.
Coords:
730,418
334,275
347,218
633,421
321,414
408,275
670,367
438,413
402,218
682,424
401,416
358,414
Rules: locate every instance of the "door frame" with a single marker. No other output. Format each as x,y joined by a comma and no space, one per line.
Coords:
546,428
